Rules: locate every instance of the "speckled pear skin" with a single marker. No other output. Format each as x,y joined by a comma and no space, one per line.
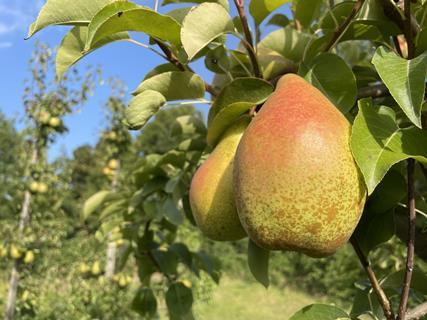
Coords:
211,192
297,186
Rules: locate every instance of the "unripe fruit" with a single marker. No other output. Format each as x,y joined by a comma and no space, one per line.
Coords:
42,187
55,122
84,268
113,164
25,295
107,171
44,117
96,268
29,257
211,192
187,283
122,281
34,186
119,242
3,251
15,252
112,136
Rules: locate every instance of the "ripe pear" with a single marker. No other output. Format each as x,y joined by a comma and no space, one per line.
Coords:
296,184
29,257
211,192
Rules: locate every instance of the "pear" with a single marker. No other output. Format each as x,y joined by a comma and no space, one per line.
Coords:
297,186
211,192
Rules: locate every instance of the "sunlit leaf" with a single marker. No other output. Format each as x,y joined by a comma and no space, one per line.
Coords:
320,312
142,107
260,9
202,25
405,80
71,49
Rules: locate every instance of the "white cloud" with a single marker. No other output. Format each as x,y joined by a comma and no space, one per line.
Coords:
5,44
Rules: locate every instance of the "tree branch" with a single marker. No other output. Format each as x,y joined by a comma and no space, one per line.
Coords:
376,91
249,45
417,312
411,241
343,27
174,60
381,296
395,15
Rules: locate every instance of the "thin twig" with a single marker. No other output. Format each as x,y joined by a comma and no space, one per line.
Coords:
249,45
418,312
381,296
343,27
409,35
170,56
146,47
395,15
375,91
412,215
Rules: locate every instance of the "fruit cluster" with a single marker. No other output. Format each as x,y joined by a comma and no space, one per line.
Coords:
287,179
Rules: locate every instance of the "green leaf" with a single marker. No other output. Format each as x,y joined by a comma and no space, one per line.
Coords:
122,16
171,212
224,118
388,194
307,11
179,299
341,88
161,68
279,20
175,85
260,9
73,12
224,3
202,25
167,261
113,207
258,259
94,202
288,42
378,143
142,107
405,80
145,303
251,90
320,312
71,49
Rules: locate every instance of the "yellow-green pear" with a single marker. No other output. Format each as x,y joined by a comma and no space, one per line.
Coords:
297,186
211,193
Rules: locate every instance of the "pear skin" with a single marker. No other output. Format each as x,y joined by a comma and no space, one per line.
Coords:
211,192
297,186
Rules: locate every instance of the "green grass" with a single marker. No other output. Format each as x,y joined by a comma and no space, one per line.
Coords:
241,300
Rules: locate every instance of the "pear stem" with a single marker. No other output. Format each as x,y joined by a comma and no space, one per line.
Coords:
381,296
249,44
343,27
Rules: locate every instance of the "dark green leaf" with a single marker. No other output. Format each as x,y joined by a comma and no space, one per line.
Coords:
249,90
145,303
341,89
166,259
279,20
171,212
307,11
258,259
179,299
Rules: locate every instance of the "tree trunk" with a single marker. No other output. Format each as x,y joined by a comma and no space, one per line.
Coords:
24,219
112,247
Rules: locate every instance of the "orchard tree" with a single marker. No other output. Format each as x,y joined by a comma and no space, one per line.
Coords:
46,102
335,95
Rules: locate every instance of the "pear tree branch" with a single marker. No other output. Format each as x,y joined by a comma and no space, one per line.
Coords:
418,312
171,57
412,215
249,44
381,296
343,27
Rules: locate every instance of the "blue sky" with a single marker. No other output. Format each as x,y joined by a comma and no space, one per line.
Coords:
123,60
